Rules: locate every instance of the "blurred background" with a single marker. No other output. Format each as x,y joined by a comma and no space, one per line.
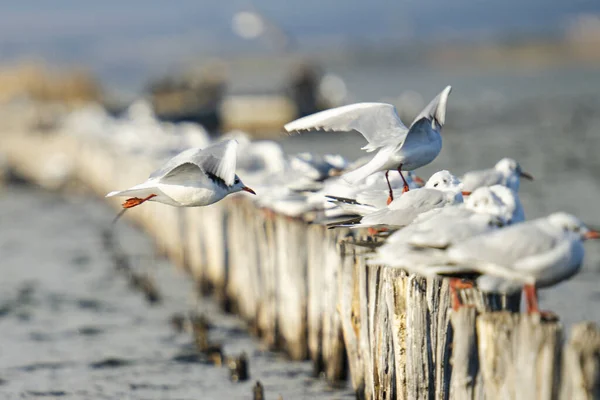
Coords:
526,85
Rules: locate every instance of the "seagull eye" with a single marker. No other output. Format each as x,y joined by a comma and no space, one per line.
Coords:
237,180
436,185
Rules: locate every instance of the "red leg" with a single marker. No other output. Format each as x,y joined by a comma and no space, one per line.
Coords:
375,231
136,201
405,188
531,299
455,285
391,197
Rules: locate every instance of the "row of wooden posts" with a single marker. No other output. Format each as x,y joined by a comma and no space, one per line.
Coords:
308,291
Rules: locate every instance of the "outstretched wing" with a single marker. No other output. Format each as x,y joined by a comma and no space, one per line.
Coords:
379,123
436,109
218,160
433,117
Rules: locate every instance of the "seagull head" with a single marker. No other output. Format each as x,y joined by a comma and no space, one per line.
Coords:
444,180
510,168
483,200
238,186
572,225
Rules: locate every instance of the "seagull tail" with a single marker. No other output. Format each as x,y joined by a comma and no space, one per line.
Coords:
133,192
361,173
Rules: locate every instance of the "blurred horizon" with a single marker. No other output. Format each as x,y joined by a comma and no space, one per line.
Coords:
126,45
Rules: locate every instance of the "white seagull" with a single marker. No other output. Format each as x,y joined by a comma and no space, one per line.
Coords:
506,172
442,189
195,177
529,255
399,147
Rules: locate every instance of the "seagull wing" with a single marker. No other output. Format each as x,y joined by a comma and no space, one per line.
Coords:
406,208
505,247
436,109
218,160
379,123
184,174
432,117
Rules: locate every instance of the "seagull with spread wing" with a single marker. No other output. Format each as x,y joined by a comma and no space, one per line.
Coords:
195,177
399,148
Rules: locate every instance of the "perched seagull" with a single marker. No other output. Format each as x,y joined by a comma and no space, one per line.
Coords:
195,177
399,147
506,172
442,189
528,256
441,227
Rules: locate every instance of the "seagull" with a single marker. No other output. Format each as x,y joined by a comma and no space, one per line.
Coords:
195,177
442,189
441,227
506,172
526,256
399,147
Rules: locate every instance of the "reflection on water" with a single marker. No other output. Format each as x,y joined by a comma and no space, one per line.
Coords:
72,326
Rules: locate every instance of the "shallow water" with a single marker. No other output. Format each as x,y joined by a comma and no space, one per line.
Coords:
72,326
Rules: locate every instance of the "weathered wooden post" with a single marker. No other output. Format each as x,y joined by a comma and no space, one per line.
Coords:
353,318
466,377
290,245
581,363
519,355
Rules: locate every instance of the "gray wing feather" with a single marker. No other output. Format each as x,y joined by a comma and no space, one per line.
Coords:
218,159
505,246
379,123
403,211
432,115
183,174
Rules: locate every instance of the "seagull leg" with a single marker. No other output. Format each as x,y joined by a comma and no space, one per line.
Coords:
391,197
136,201
531,298
405,188
374,231
455,285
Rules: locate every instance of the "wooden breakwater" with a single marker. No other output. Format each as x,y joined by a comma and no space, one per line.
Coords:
307,291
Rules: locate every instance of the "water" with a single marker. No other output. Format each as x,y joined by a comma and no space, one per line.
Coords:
72,326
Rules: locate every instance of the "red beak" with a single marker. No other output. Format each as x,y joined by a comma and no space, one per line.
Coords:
526,176
418,180
466,193
592,235
247,189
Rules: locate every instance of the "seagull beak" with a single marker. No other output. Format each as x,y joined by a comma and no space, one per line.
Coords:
592,235
526,175
247,189
466,193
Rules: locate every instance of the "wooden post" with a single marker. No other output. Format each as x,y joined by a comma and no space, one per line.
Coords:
316,263
290,246
353,319
466,378
334,350
581,367
519,356
267,308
